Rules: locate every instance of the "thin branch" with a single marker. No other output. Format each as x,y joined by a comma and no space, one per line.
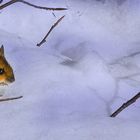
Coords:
125,105
9,99
53,26
30,4
8,4
40,7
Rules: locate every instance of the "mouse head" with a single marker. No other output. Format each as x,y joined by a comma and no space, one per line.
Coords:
6,71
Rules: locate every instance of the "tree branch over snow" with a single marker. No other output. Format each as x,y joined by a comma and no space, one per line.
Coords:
11,98
29,4
38,7
53,26
125,105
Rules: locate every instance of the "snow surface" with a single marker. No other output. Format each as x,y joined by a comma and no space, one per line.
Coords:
87,68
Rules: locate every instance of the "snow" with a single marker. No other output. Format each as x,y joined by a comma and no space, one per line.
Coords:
87,68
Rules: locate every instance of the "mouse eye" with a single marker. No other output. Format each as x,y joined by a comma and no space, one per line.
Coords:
1,71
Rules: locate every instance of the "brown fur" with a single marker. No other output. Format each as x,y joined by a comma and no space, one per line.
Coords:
6,71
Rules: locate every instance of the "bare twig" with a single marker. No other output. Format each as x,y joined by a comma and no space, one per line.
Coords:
8,3
125,105
9,99
40,7
29,4
55,24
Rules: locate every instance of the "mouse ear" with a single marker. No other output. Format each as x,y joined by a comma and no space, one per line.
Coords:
2,51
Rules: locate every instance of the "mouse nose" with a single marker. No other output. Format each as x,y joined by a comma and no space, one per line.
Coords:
11,79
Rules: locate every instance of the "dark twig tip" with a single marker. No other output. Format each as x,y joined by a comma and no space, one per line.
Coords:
125,105
10,98
52,27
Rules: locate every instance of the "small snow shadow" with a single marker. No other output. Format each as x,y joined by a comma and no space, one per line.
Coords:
69,63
